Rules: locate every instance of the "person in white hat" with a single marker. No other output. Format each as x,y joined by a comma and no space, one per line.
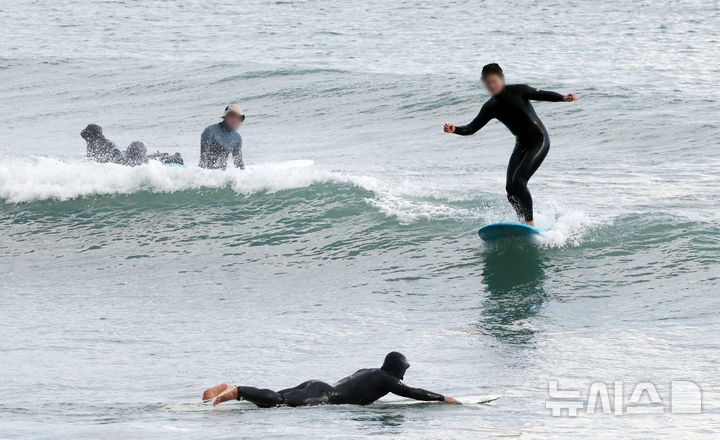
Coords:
221,139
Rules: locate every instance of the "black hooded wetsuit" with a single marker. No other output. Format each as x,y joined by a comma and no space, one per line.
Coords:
512,107
101,149
362,388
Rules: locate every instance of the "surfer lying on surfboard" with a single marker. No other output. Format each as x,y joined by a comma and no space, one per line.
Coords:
361,388
510,104
101,149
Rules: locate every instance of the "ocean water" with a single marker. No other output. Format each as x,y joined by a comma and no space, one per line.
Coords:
127,291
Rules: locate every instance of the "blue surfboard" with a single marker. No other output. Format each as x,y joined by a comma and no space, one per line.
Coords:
497,231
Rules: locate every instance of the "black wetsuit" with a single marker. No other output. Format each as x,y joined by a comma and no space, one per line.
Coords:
512,107
101,149
362,388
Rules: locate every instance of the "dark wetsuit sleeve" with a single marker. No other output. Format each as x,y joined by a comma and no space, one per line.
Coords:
399,388
263,398
479,122
541,95
113,153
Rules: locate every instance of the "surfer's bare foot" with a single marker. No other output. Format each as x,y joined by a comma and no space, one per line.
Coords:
530,223
230,393
223,392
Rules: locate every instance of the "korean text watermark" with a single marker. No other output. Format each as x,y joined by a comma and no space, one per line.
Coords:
681,397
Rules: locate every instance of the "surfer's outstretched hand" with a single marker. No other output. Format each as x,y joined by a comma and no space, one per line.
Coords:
570,97
449,399
449,128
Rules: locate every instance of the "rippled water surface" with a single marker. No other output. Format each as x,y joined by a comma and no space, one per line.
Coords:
126,291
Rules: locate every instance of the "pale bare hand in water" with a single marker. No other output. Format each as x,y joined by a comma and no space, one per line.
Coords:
449,128
448,399
570,97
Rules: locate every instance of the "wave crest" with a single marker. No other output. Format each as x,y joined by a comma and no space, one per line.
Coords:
33,179
41,178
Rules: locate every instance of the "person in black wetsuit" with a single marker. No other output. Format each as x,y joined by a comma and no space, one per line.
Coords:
510,104
361,388
101,149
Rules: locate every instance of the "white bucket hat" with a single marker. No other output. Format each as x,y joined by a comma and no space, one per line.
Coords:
233,109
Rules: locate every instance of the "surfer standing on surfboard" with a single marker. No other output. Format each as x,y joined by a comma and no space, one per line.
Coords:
362,388
510,104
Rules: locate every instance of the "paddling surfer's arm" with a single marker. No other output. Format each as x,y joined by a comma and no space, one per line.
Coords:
482,118
399,388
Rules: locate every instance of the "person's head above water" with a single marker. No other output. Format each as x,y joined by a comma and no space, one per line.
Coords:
136,153
494,78
396,364
233,116
92,132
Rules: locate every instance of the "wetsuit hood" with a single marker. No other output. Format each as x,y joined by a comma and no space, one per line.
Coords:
136,150
136,154
396,364
92,132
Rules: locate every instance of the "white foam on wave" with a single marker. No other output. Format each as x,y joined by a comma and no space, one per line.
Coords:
569,228
41,178
408,211
412,201
31,179
409,203
565,225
